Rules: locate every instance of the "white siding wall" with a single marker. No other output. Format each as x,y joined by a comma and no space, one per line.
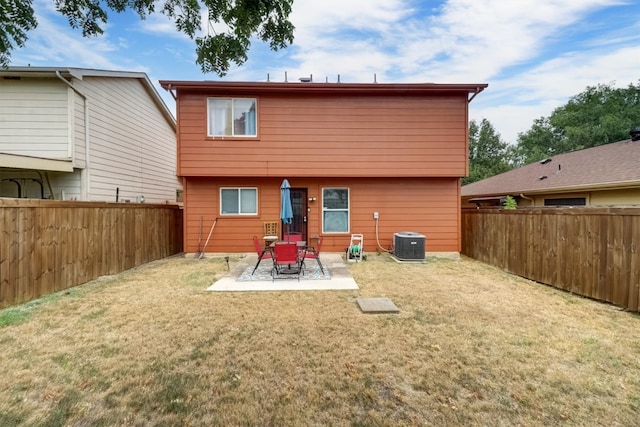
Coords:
132,147
78,126
66,186
34,118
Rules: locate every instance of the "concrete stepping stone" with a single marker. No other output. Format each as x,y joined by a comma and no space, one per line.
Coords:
377,305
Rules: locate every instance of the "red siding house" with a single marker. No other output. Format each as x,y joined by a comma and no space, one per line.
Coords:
347,150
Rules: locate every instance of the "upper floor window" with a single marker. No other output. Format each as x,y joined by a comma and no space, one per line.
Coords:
232,117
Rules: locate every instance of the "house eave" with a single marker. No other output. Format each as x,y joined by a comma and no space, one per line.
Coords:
323,88
564,189
14,161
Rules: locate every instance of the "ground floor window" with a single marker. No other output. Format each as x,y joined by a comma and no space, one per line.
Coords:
335,210
238,201
566,201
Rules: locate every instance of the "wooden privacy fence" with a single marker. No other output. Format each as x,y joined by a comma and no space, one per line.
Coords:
587,251
47,246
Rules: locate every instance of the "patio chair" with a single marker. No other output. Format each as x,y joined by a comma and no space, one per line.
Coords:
271,232
286,260
313,252
293,237
262,253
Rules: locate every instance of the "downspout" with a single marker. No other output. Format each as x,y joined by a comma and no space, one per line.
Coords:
474,94
85,181
533,202
173,95
477,91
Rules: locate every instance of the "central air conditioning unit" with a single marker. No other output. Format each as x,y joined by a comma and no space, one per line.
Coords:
409,246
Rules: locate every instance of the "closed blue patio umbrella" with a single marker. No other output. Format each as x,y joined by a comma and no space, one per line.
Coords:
286,211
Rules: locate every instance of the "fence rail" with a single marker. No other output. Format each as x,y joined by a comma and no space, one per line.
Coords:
47,246
588,251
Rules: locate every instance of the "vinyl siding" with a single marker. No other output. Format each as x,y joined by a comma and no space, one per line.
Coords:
621,197
613,197
320,136
132,146
66,186
430,206
34,119
79,131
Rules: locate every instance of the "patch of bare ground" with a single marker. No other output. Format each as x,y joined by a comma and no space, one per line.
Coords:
472,345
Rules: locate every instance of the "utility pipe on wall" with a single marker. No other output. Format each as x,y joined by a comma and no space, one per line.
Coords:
533,202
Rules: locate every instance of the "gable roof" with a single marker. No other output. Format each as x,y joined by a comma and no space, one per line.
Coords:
614,165
79,73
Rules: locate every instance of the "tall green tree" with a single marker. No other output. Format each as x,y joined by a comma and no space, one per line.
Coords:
600,115
488,154
267,20
539,142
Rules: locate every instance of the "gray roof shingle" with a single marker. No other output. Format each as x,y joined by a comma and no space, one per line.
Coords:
611,165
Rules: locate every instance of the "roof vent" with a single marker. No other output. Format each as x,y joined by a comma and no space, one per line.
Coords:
545,161
306,79
542,177
635,133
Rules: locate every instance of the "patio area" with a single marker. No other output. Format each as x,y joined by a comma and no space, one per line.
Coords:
335,277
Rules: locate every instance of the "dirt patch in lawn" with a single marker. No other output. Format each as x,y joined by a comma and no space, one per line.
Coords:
471,345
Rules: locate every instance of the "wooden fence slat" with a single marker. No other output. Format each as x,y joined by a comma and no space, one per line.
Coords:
47,246
9,271
634,266
589,251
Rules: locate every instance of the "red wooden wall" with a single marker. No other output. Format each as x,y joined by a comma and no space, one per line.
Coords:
430,206
339,135
400,149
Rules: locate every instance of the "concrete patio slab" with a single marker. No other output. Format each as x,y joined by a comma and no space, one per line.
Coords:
341,278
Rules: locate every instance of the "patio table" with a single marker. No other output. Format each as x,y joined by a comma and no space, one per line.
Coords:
301,244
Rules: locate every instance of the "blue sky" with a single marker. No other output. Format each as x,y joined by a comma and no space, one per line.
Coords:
534,54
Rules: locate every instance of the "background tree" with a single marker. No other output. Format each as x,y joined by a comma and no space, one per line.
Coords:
266,19
16,18
488,154
600,115
539,142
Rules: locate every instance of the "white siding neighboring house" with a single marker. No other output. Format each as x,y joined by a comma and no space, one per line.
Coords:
80,134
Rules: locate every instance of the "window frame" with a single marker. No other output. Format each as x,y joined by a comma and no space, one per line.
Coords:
239,213
347,210
210,133
564,201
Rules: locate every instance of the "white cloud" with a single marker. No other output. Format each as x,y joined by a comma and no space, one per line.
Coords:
505,44
160,25
56,44
534,54
466,40
512,104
